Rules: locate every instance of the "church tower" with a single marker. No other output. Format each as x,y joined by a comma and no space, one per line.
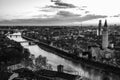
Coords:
99,28
105,36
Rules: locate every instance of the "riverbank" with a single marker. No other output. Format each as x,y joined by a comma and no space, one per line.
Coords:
91,63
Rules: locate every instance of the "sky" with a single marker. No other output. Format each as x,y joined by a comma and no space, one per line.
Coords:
58,12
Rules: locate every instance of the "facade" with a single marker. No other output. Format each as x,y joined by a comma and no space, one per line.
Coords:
99,31
96,52
105,42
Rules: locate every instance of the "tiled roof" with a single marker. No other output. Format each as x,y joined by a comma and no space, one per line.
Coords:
55,74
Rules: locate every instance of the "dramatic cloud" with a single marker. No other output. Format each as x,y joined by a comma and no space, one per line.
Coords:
86,12
65,5
61,18
84,6
89,17
118,15
56,7
66,14
60,5
46,10
82,9
49,12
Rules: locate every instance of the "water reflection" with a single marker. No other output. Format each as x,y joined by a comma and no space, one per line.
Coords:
69,66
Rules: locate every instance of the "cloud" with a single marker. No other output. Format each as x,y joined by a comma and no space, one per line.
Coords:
84,6
81,9
56,6
92,16
43,16
86,12
47,10
118,15
66,14
61,18
61,5
65,5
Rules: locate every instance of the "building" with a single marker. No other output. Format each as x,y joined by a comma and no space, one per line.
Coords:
99,31
105,36
104,50
57,75
95,51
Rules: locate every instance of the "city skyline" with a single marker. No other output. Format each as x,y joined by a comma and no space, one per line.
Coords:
56,12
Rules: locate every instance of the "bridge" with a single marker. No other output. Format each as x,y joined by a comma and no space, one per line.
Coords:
29,42
24,41
15,34
19,35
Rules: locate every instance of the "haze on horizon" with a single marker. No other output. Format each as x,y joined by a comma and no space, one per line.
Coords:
64,12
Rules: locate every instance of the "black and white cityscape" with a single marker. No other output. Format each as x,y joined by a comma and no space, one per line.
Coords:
59,40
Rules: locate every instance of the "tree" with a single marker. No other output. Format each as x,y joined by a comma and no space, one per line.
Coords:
28,62
40,62
11,56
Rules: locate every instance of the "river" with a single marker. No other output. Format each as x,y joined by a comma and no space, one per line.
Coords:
69,66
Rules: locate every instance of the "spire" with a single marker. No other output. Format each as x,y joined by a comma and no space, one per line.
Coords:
105,25
99,22
99,27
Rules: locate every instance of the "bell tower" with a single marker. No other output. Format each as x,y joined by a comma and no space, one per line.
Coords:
105,36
